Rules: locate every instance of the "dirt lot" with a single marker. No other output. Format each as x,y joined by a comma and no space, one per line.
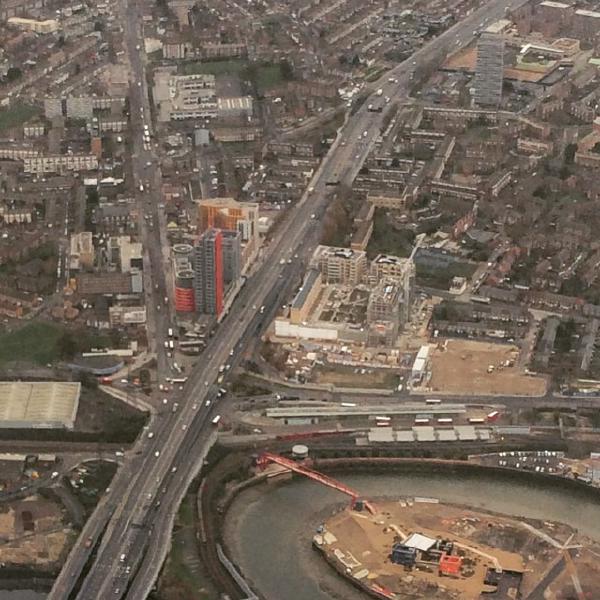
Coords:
347,377
362,543
461,368
32,532
99,412
586,572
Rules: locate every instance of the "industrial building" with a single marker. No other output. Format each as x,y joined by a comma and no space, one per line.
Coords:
42,405
208,272
489,70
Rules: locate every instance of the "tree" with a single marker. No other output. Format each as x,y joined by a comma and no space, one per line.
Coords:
287,71
570,150
66,345
88,380
13,73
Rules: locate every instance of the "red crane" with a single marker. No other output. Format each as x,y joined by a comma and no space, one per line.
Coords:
266,457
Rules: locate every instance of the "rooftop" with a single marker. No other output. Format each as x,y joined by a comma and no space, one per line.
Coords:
588,13
39,404
309,281
552,4
408,408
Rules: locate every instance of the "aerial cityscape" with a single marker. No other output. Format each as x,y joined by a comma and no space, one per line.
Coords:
299,300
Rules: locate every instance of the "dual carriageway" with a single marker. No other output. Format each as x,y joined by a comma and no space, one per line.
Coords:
135,518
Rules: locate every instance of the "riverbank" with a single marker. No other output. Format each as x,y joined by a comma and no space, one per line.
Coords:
421,548
281,519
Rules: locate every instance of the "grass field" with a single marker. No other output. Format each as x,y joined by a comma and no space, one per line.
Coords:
268,76
216,67
35,343
16,115
263,75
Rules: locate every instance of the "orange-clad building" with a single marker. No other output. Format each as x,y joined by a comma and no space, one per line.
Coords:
229,214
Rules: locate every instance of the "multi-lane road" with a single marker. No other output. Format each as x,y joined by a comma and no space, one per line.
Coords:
130,528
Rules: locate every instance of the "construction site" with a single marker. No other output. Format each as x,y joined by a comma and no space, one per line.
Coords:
473,367
420,547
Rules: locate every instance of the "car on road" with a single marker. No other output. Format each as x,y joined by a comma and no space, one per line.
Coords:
157,453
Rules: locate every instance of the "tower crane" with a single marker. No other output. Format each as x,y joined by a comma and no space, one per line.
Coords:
264,459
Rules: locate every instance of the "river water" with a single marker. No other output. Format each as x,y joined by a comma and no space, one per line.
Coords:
269,527
22,595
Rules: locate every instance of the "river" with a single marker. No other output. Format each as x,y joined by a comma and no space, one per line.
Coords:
268,528
22,595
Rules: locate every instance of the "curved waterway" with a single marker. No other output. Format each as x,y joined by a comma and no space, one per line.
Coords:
269,527
22,595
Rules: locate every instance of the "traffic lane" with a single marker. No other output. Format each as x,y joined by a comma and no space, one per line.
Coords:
288,246
184,453
92,587
158,537
138,538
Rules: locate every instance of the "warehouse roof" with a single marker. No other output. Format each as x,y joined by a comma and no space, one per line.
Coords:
49,404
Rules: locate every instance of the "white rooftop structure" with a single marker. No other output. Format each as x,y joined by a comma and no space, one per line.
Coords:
552,4
424,433
47,405
419,541
588,13
381,434
446,435
466,433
